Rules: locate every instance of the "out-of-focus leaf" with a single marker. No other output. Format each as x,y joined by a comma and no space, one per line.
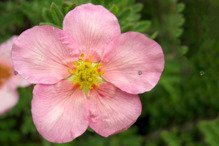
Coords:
57,15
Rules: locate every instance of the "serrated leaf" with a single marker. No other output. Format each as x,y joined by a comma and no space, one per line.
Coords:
137,7
67,6
123,15
57,15
154,35
102,2
184,50
133,17
46,15
114,9
142,26
210,129
170,138
180,7
126,27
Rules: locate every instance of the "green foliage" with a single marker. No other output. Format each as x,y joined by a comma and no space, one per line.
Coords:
167,20
17,124
128,13
210,130
181,110
18,15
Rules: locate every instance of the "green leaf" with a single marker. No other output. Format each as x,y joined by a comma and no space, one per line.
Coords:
46,15
170,138
184,50
137,8
114,9
57,15
180,7
48,23
142,26
210,129
154,35
124,14
67,6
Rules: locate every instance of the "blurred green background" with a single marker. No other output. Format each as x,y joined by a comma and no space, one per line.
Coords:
182,110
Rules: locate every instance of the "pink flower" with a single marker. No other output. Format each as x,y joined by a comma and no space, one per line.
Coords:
87,75
8,81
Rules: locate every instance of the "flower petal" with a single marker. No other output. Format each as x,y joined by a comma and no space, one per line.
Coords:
5,51
92,26
112,110
133,62
58,111
8,99
17,81
39,56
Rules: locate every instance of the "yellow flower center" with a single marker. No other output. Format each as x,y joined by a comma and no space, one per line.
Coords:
86,74
5,73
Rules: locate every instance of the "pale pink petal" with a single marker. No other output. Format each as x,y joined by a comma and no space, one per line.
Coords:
112,110
8,99
5,51
133,62
59,111
17,81
69,43
39,55
92,26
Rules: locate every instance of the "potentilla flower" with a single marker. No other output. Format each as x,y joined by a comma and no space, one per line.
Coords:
8,80
86,75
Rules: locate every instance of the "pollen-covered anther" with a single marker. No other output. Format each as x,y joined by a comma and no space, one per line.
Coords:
86,73
5,73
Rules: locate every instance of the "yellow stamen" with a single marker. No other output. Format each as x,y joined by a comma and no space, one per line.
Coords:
90,58
81,57
86,74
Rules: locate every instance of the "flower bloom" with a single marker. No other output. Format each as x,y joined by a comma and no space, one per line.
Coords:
8,81
86,75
